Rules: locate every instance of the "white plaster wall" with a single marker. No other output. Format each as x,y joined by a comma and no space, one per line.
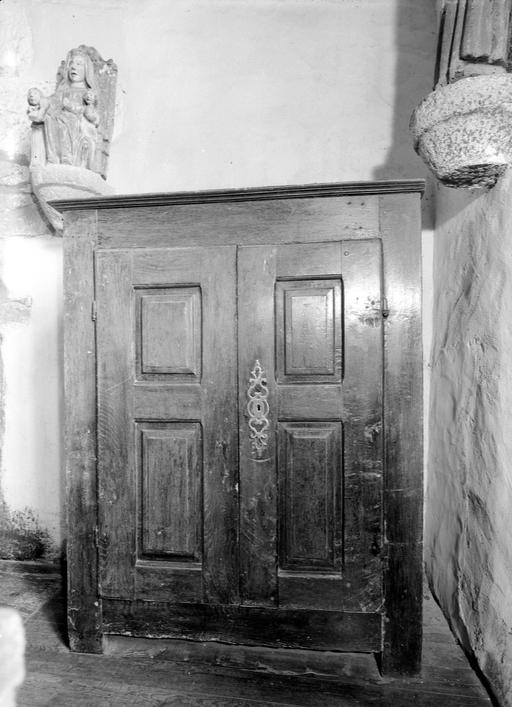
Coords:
212,94
468,536
227,93
32,354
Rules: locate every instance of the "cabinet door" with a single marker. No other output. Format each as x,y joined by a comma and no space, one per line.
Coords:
167,424
310,417
239,440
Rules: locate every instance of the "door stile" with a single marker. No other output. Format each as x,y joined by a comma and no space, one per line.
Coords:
116,441
363,452
257,424
220,427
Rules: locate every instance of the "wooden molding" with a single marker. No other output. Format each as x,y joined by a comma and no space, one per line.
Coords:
250,194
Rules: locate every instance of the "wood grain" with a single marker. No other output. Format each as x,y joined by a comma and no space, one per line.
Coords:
170,334
278,233
170,490
297,401
165,266
142,682
116,439
310,496
298,191
141,671
258,472
220,427
402,625
84,605
167,401
138,671
308,331
158,581
250,625
363,425
210,404
403,409
308,260
303,590
252,223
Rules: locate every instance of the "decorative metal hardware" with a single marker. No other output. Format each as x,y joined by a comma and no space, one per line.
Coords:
258,409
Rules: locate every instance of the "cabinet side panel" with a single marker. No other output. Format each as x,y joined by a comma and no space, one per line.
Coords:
84,606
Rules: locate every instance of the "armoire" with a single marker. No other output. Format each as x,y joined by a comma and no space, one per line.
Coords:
243,386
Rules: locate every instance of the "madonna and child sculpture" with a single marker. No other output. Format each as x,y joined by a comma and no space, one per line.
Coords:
72,130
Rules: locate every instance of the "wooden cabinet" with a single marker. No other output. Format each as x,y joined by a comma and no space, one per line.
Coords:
243,418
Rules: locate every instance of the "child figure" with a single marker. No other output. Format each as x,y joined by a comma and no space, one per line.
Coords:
37,105
89,131
90,112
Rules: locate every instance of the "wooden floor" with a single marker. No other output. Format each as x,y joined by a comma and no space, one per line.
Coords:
151,673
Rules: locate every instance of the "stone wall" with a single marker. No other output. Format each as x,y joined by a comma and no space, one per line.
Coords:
469,493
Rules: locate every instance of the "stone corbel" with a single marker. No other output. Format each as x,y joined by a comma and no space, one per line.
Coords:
54,182
463,129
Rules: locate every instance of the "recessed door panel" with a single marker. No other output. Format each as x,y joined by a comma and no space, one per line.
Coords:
170,491
308,319
310,487
169,333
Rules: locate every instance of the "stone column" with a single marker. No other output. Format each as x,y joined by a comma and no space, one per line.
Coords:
463,130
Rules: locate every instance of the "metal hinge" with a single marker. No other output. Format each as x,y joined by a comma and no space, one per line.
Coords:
384,307
93,311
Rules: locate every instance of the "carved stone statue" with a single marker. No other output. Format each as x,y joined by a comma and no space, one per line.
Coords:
72,130
473,39
74,125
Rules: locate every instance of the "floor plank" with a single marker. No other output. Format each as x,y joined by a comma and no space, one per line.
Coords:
28,586
166,673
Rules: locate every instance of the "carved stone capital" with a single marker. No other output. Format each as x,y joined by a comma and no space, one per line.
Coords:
52,182
463,131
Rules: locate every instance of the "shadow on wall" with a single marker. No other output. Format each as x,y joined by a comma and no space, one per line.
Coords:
416,40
